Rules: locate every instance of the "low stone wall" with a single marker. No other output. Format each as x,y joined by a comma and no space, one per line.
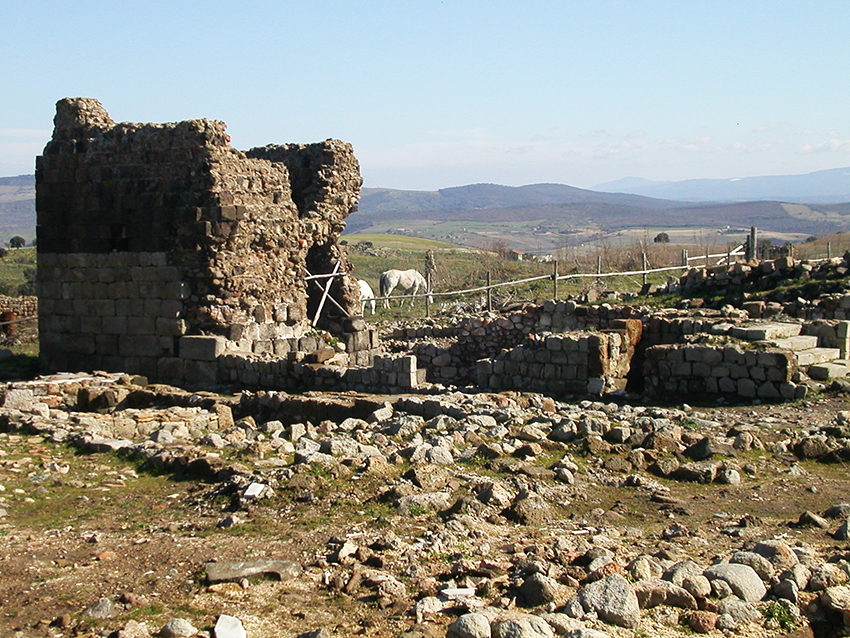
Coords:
561,364
208,361
681,370
21,306
388,373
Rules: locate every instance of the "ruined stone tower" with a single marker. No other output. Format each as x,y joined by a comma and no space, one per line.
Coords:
151,234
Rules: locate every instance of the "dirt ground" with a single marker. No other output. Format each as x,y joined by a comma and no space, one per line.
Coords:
78,527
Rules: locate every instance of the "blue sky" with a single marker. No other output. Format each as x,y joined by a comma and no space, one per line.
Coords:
438,93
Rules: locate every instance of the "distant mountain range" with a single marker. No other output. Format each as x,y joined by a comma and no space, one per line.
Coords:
537,214
17,207
560,208
831,185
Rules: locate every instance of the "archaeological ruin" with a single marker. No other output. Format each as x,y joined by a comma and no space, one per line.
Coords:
161,247
164,252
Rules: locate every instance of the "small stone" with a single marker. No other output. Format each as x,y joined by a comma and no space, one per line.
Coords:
177,628
810,519
702,622
229,627
839,510
538,589
103,608
231,520
843,531
134,629
470,626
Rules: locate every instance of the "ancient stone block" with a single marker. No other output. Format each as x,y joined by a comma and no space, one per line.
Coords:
201,348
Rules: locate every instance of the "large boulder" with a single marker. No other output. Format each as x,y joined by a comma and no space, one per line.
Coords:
612,599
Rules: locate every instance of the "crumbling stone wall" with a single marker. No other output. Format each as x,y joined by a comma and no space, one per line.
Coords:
150,232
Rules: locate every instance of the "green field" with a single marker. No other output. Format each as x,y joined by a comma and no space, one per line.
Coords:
17,269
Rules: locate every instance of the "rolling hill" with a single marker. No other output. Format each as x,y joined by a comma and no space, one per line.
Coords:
558,209
17,207
538,216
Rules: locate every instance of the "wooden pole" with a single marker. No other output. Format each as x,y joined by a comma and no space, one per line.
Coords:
751,247
598,267
685,257
644,267
828,250
555,280
489,294
325,294
428,293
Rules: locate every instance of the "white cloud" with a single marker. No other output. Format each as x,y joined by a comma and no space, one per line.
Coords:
830,146
775,126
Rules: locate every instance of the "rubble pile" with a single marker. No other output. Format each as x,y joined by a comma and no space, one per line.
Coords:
494,482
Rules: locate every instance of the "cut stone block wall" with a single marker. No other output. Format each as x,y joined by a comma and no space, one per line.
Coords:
693,370
561,364
21,306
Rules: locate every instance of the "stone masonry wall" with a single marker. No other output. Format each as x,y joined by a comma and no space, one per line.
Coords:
21,306
149,232
683,370
561,364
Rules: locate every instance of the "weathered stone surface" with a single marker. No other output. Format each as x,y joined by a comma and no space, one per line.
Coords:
177,628
470,626
521,627
229,627
837,599
103,608
538,589
234,571
612,599
743,580
651,593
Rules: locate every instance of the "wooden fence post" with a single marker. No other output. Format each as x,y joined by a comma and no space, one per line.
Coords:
644,267
685,257
598,267
489,294
428,294
751,245
828,250
555,280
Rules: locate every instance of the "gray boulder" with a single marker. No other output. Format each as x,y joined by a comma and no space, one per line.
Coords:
742,579
177,628
612,599
470,626
521,627
739,610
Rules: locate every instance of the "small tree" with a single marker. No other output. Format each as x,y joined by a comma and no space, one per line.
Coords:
17,242
661,238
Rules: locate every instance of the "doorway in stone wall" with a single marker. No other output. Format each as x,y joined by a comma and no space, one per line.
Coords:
324,287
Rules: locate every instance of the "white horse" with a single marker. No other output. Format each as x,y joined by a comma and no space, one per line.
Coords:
409,281
366,296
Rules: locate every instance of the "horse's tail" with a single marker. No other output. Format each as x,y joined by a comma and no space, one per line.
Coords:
384,288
